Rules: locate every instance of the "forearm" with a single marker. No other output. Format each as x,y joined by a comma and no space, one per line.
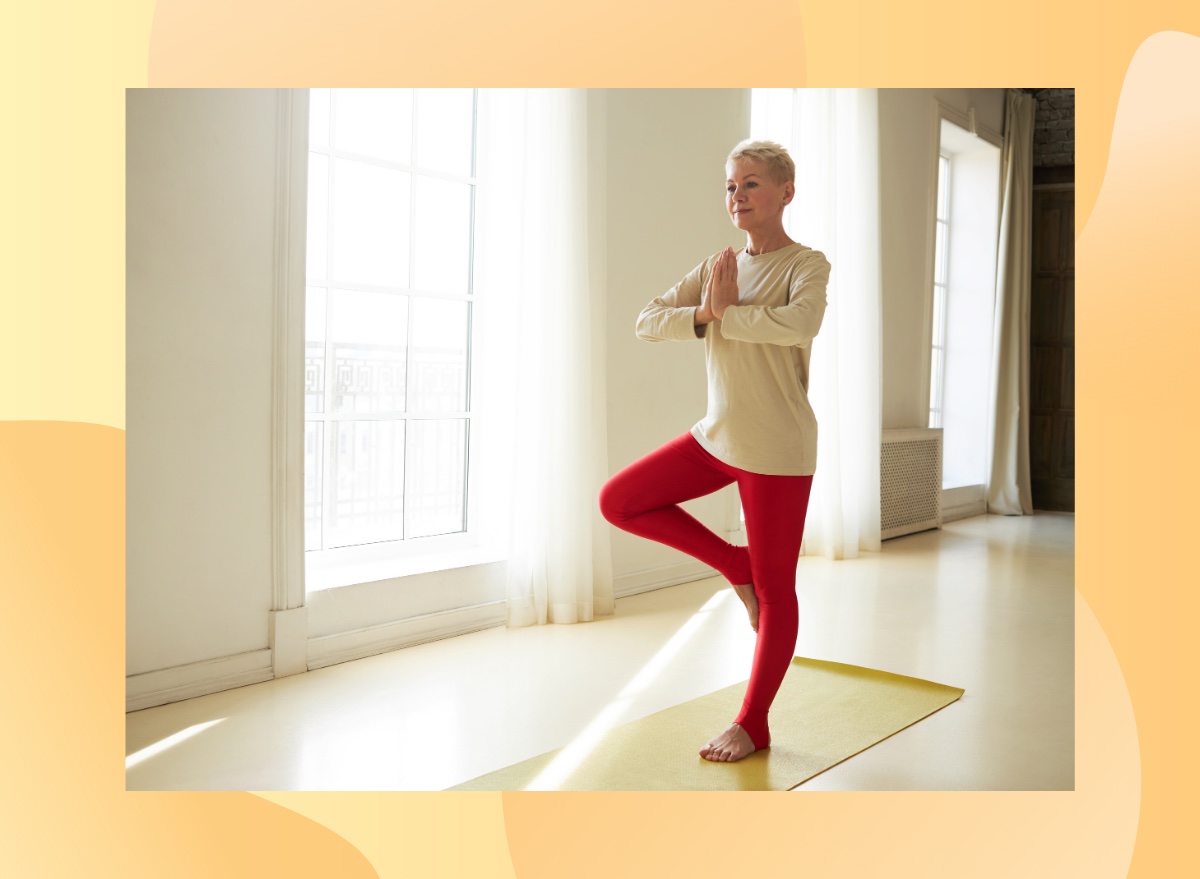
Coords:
790,325
659,322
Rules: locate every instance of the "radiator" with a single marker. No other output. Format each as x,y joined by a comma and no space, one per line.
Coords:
910,481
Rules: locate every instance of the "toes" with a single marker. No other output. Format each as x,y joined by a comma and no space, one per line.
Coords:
729,747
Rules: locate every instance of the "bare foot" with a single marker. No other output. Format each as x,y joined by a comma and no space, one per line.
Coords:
746,594
733,744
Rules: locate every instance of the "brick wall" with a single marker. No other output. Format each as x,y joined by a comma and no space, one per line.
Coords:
1054,128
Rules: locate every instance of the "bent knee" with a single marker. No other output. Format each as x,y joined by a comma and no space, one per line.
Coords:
612,502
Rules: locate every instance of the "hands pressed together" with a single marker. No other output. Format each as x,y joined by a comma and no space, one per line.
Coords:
721,291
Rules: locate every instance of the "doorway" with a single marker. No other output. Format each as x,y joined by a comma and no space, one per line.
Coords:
1052,348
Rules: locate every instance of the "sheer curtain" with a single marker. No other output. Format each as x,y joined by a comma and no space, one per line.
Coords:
548,435
833,136
1008,490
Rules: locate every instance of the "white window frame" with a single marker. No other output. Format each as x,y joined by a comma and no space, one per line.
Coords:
960,500
387,603
338,566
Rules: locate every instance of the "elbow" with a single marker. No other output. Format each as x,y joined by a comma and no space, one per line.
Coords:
643,328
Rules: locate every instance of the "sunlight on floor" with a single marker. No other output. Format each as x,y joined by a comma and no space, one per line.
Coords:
570,757
169,742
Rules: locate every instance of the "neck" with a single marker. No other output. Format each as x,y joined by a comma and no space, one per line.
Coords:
765,242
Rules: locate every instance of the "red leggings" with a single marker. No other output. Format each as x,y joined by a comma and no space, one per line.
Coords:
643,499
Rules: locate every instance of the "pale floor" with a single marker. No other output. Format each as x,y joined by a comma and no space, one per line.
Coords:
986,604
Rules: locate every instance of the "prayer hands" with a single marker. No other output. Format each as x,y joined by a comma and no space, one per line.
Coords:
721,291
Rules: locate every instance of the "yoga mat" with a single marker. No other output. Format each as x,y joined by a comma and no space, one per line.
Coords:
825,712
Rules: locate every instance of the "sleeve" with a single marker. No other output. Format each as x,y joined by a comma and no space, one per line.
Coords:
672,316
792,325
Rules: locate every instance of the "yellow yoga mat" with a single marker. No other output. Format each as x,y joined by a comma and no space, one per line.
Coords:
825,712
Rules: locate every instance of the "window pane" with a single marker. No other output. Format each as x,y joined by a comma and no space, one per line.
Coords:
439,356
437,458
939,296
368,479
442,260
370,224
935,380
943,210
445,130
939,255
370,343
313,463
314,350
375,122
318,117
318,216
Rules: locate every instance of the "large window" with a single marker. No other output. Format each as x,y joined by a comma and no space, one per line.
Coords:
963,295
389,330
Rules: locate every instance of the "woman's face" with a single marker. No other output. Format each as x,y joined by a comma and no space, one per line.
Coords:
755,200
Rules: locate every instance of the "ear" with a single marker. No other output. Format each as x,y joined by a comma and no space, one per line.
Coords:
789,192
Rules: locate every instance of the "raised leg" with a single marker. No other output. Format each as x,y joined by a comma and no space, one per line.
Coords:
644,499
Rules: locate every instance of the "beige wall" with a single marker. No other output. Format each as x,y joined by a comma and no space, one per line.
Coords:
200,207
666,153
908,140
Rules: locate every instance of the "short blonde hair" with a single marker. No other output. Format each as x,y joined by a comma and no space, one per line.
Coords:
779,164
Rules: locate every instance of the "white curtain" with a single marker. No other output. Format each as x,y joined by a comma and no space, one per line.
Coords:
536,306
1008,490
833,136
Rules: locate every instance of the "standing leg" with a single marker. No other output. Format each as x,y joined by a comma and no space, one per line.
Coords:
643,499
775,508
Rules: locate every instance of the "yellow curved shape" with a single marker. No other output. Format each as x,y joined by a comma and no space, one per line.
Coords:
414,834
63,807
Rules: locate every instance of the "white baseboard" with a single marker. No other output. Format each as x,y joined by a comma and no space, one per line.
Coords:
211,676
962,503
345,646
287,636
963,511
659,578
197,679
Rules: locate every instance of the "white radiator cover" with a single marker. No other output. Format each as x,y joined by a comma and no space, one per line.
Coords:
910,481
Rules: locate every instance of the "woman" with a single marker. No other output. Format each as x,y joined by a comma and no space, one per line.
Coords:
757,311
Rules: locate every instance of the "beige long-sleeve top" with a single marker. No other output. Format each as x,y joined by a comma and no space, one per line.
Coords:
758,418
